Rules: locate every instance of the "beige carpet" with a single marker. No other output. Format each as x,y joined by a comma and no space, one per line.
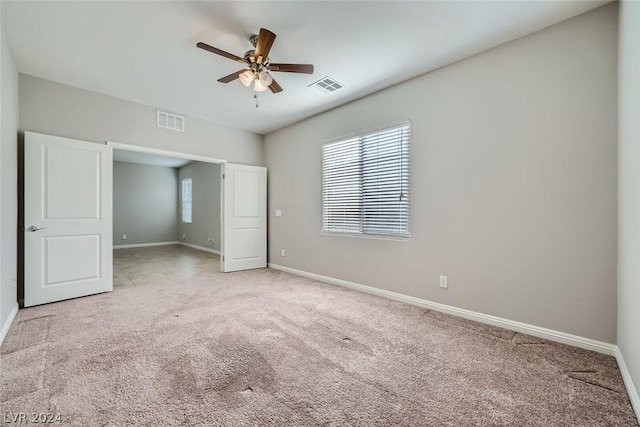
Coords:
196,347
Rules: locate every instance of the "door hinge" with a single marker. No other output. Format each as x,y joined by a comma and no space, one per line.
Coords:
223,176
223,258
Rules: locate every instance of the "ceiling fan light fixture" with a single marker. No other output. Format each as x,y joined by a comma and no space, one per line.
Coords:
246,77
259,87
265,78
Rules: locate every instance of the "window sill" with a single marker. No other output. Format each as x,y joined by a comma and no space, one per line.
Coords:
405,239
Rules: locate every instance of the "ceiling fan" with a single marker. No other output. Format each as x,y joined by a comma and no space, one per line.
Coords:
258,63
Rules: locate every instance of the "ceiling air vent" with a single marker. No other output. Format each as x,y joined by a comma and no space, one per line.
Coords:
170,121
327,85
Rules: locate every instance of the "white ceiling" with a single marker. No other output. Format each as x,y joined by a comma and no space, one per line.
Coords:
146,52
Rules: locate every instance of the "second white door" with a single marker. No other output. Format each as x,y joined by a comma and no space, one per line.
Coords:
244,217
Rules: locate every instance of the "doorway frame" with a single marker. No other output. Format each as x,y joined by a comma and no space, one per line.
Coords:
159,152
176,154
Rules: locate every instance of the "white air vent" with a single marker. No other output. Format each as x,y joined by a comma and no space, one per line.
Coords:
170,121
327,85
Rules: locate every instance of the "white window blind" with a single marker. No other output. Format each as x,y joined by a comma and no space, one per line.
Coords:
365,183
186,200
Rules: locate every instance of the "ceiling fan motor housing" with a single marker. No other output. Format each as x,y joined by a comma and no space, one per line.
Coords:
250,56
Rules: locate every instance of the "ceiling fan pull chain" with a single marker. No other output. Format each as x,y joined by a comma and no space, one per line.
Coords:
255,95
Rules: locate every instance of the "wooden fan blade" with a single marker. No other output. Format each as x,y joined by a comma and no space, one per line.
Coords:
275,87
265,41
220,52
231,77
292,68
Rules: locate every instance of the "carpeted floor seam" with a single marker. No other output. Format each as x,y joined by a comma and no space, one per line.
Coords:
593,384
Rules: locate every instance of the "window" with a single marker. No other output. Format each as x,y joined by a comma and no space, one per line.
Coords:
365,184
186,200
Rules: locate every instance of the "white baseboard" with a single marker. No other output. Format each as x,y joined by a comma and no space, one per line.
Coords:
7,324
144,245
628,383
200,248
549,334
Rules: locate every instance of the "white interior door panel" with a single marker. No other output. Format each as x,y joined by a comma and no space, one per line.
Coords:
244,242
68,218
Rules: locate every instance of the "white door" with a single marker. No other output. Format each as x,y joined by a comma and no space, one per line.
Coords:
244,217
68,219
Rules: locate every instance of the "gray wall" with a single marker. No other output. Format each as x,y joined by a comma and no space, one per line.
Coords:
8,180
145,203
513,183
206,221
629,189
57,109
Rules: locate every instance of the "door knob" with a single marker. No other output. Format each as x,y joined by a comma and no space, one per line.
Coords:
33,228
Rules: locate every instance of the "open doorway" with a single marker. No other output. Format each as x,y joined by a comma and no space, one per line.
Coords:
167,221
160,199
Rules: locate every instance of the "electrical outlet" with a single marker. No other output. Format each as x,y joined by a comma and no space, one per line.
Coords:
209,240
124,236
444,282
13,283
281,252
278,212
184,236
